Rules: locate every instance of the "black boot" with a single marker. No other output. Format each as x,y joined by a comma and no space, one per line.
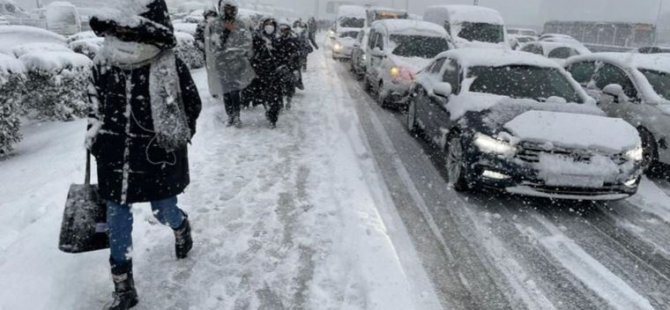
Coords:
183,241
125,295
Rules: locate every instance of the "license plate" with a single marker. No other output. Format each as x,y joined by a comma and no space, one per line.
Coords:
575,181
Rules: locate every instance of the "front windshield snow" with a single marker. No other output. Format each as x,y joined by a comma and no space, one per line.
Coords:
527,82
352,22
660,81
418,46
482,32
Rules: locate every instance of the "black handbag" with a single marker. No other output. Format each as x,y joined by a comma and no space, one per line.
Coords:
84,226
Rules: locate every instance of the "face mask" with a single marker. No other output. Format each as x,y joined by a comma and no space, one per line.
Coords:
269,29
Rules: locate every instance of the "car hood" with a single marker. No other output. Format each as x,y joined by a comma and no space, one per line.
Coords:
571,130
413,63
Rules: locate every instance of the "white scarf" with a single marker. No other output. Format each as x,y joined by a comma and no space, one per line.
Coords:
128,53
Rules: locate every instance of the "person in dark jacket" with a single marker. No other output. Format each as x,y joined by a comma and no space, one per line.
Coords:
144,107
202,26
289,57
266,64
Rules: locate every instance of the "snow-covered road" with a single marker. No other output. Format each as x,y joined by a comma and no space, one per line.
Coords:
338,208
491,251
292,218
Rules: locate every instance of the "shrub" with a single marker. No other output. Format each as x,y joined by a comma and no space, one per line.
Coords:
11,91
188,52
56,86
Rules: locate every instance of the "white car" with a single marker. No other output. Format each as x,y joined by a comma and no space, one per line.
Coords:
522,32
635,87
13,36
517,122
556,51
344,42
396,50
470,26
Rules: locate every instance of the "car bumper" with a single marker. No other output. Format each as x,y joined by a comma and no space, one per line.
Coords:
512,176
342,53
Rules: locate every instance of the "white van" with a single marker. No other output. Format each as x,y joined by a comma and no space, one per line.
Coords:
63,18
351,16
395,52
470,26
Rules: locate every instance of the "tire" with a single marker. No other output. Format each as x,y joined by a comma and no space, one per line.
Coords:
456,165
412,126
366,84
650,153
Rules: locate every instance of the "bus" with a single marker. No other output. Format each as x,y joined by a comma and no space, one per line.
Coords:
606,36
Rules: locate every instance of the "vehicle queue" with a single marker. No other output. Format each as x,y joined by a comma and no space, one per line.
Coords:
546,118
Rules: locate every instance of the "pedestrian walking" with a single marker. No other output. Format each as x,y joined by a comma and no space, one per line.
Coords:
266,64
229,44
144,107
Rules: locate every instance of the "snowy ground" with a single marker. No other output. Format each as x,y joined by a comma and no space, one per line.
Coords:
293,218
339,208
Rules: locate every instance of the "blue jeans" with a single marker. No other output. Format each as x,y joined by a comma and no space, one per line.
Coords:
120,222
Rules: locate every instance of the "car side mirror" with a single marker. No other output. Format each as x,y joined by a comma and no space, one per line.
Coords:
443,90
615,91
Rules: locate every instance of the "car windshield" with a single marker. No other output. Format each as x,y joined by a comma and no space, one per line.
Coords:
349,34
519,81
482,32
352,22
418,46
660,81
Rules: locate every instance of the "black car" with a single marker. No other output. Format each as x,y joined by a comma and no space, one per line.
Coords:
518,122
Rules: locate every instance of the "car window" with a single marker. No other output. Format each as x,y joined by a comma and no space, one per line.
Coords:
583,72
533,48
609,74
379,42
659,80
371,39
563,53
418,46
437,66
452,75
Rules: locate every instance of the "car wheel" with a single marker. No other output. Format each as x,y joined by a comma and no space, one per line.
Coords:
650,152
412,126
366,84
456,167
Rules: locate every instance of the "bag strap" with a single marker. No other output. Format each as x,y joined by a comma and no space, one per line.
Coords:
87,180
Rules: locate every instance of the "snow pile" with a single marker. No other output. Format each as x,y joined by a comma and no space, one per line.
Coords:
188,52
11,93
11,36
81,36
189,28
62,80
609,135
28,48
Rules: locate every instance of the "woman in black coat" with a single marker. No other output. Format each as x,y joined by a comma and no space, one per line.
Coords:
144,107
266,63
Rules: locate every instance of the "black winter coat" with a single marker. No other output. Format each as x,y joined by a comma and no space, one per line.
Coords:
265,60
131,166
289,51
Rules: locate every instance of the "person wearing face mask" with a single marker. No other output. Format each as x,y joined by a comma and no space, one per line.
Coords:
266,62
229,44
289,56
143,111
199,36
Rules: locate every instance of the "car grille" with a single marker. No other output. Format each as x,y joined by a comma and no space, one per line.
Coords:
607,189
530,153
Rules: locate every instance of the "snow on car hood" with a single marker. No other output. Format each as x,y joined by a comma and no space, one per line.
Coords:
575,131
413,63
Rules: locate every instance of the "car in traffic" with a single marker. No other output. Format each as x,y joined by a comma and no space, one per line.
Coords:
343,44
517,122
470,26
395,52
358,56
556,51
657,49
635,87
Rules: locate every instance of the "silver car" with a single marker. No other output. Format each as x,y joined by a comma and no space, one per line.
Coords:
635,87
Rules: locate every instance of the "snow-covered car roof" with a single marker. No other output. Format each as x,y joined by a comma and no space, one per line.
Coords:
549,46
411,27
11,36
55,61
28,48
351,11
469,13
471,57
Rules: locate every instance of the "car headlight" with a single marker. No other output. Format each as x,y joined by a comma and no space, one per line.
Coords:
489,144
364,57
635,154
337,46
395,72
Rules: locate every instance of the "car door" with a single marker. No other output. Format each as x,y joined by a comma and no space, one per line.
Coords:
423,101
439,116
370,44
608,74
377,61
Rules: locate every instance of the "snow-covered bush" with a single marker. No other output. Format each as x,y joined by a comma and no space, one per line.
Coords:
188,52
189,28
11,92
28,48
57,84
